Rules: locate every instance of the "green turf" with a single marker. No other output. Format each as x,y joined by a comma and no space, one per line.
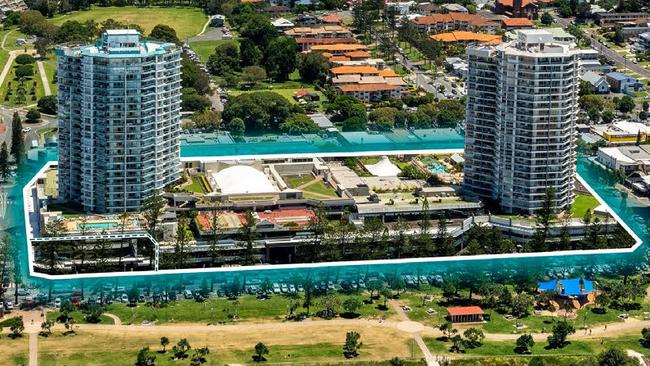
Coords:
186,21
28,83
196,185
582,203
205,48
215,310
294,182
79,317
49,64
319,187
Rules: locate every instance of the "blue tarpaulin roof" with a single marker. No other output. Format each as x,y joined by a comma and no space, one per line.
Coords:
568,287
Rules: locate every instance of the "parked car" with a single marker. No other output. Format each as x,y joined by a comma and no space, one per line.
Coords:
57,302
187,294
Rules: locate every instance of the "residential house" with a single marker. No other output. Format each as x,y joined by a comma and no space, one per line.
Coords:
623,83
339,48
516,23
331,19
401,7
611,19
282,24
355,70
370,93
454,8
517,8
438,23
598,82
467,37
276,10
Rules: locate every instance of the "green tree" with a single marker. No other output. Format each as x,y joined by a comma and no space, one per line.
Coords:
260,351
645,337
47,104
250,52
351,305
33,115
164,342
352,344
546,18
17,139
354,124
199,356
616,357
473,337
145,357
181,349
313,68
225,59
236,126
4,162
248,235
24,71
192,76
626,104
298,124
447,329
560,332
16,326
280,58
24,59
253,74
524,344
165,33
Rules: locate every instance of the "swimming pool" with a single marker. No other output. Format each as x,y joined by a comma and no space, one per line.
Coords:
98,225
437,167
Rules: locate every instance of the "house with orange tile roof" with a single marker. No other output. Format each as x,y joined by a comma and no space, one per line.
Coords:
355,70
516,23
387,73
370,93
327,31
339,48
331,19
306,43
357,55
437,23
517,8
467,37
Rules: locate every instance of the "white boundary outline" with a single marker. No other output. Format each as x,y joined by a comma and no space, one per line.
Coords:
270,267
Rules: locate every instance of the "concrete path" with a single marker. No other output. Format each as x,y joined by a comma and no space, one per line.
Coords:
4,40
638,356
115,318
33,349
205,26
7,67
46,83
415,329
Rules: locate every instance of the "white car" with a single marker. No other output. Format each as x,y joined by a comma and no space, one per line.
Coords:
57,302
124,298
27,129
9,305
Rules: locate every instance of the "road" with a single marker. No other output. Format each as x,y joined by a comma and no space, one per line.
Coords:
621,62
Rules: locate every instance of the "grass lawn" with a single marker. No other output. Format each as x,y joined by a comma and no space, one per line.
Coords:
79,317
294,182
13,351
320,188
205,48
583,203
587,347
49,64
196,185
32,85
186,21
313,345
214,310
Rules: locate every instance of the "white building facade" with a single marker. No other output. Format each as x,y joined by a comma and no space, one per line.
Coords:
520,122
119,105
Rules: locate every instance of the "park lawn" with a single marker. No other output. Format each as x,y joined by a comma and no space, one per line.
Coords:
582,203
12,34
186,21
14,351
216,310
195,186
49,64
79,317
287,93
205,48
294,182
33,81
586,347
419,311
320,188
227,345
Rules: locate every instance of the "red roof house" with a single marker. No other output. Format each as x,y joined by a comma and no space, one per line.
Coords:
465,314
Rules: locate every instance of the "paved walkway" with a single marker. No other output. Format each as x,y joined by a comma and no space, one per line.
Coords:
415,329
115,318
4,40
7,67
638,356
46,84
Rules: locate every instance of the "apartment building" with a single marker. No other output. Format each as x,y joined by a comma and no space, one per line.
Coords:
520,121
611,19
438,23
371,92
119,105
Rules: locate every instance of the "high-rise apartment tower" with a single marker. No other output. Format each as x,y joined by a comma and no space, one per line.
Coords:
119,107
522,105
